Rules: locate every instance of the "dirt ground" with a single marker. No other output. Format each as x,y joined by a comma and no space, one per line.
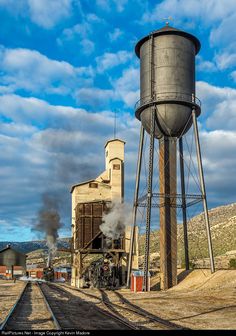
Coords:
9,292
201,300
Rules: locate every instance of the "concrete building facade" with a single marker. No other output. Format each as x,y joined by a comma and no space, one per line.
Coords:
94,196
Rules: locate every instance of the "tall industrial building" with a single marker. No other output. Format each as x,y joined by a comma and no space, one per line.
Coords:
90,201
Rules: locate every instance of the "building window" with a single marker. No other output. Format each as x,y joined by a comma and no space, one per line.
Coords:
93,185
106,153
116,166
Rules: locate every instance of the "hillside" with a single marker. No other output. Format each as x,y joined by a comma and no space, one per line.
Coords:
39,258
223,231
29,246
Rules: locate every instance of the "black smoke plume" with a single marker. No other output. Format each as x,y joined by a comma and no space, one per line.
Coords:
49,222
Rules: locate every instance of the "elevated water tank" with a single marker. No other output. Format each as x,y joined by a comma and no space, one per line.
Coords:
167,80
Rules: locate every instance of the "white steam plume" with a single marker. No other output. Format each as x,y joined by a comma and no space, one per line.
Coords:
114,222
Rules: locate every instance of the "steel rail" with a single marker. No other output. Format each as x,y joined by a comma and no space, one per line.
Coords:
2,326
109,314
148,315
55,321
132,309
110,305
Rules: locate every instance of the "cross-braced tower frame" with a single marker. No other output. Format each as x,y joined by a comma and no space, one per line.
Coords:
167,109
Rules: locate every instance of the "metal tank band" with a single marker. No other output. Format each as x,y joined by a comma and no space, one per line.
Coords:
167,80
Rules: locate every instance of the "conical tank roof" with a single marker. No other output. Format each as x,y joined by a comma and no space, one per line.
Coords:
168,30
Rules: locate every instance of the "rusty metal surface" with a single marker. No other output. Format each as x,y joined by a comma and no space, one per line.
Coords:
88,220
168,221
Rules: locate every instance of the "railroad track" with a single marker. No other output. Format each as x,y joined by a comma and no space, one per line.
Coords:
31,311
132,314
140,317
72,312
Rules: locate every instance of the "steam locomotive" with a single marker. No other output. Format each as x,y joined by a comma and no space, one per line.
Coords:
102,273
48,273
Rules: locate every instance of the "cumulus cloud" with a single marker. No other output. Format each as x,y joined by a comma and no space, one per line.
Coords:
107,5
29,70
218,104
79,35
225,60
127,86
206,11
124,89
233,75
219,159
44,13
110,60
95,97
62,152
115,34
56,156
48,13
204,65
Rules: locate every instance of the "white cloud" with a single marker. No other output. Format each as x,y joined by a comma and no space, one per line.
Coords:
108,5
111,60
222,60
60,150
53,155
218,105
115,35
204,65
225,60
233,75
219,159
88,46
44,13
181,10
78,35
120,5
221,35
47,13
94,97
127,86
80,29
31,71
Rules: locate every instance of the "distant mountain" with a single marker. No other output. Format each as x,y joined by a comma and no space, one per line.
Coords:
29,246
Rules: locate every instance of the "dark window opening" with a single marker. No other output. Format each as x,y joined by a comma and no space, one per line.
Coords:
93,185
116,166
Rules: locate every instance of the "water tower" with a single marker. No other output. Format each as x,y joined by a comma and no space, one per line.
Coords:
167,109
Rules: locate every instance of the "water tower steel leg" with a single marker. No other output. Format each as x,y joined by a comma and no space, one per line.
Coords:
149,201
203,189
185,228
135,205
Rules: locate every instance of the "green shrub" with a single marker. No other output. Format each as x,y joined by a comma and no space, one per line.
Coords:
232,263
192,264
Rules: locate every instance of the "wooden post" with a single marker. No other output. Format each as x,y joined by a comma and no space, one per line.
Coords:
168,222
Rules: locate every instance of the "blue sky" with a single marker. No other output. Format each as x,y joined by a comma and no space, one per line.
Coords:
66,66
